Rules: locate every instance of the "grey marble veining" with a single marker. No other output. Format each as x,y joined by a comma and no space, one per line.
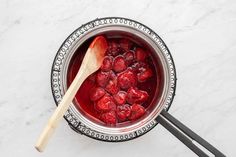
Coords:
200,34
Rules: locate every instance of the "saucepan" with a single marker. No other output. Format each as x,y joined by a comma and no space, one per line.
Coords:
157,114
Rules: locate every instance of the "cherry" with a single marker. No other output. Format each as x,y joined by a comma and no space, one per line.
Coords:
109,117
123,112
102,78
119,64
112,86
129,57
136,111
120,97
145,74
106,103
107,63
134,95
96,93
127,79
140,54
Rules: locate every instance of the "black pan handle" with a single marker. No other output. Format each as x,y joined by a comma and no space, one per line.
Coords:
186,136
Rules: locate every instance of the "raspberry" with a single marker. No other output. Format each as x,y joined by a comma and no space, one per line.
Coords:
107,63
136,111
127,79
109,117
123,112
134,95
129,57
119,64
145,74
102,78
96,93
106,103
125,44
140,54
120,97
112,87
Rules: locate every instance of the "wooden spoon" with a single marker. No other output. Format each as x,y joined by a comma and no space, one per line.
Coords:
91,63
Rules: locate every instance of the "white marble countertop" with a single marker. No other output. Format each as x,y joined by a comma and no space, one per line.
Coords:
200,34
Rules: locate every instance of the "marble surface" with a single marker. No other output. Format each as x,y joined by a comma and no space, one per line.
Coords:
200,34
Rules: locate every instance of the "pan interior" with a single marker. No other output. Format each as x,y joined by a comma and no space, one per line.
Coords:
158,78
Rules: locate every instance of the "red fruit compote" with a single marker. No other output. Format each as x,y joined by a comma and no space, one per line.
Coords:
124,88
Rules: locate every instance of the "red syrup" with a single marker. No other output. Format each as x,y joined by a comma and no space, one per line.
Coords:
124,89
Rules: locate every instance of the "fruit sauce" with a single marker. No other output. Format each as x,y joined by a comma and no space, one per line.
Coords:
125,86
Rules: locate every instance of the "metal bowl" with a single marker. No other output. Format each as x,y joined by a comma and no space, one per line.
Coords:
121,26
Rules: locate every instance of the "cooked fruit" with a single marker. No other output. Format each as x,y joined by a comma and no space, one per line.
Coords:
96,93
106,103
145,73
127,79
120,97
112,87
109,117
125,44
140,54
123,112
115,87
107,63
137,111
102,78
129,57
134,95
119,64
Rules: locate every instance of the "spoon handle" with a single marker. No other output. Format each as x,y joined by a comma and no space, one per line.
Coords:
91,62
61,109
187,136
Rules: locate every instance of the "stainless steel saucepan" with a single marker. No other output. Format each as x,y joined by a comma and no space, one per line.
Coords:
116,26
